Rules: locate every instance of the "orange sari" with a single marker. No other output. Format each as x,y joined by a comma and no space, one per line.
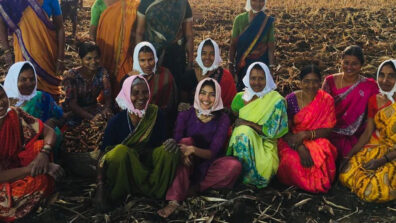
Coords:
114,37
318,114
18,198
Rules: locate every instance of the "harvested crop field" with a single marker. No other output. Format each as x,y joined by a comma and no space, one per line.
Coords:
305,32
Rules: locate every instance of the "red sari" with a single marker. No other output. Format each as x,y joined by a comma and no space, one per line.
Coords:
318,114
20,145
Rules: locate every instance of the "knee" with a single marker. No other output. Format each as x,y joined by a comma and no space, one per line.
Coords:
232,166
117,155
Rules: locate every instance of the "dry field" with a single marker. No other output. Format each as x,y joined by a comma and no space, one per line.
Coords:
316,30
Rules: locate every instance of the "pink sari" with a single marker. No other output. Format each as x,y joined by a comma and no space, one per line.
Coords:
318,178
350,106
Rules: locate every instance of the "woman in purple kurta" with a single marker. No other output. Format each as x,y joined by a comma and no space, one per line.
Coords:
201,133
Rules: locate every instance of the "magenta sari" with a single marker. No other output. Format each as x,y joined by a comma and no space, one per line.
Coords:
351,108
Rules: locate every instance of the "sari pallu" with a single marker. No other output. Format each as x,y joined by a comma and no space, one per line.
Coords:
258,153
18,198
318,178
132,168
34,39
375,185
115,44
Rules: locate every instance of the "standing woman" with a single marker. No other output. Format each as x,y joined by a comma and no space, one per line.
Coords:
111,27
36,38
262,119
351,92
252,40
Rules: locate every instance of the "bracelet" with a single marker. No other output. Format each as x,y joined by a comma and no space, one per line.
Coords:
45,152
386,158
47,147
312,134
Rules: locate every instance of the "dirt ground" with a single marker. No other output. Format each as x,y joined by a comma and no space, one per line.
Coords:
302,35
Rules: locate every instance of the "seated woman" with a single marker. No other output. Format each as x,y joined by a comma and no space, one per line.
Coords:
307,158
135,161
209,60
262,119
202,133
26,173
20,85
351,92
370,167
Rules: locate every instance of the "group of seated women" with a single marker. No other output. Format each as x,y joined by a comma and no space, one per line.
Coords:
216,141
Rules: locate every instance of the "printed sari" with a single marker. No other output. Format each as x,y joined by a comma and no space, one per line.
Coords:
318,178
375,185
132,168
350,106
18,198
34,39
115,44
258,153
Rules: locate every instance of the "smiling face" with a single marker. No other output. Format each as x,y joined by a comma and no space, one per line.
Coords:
310,83
147,62
91,60
387,78
257,80
208,55
351,65
26,82
3,102
207,97
139,95
257,5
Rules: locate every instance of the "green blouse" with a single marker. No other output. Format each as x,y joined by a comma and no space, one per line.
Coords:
242,21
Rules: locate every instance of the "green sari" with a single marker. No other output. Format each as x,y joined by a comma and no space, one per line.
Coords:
258,153
132,168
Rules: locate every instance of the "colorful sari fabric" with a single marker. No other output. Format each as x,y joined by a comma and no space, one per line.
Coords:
258,153
18,198
350,106
43,107
115,45
318,114
134,168
375,185
34,39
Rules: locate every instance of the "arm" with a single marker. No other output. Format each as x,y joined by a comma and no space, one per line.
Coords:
92,32
188,34
12,175
271,49
364,138
107,90
60,36
140,27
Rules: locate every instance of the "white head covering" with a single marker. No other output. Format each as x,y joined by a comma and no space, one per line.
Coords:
138,47
248,6
269,83
388,94
217,60
11,83
1,86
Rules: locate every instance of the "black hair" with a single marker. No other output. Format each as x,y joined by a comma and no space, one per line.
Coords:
87,47
312,68
208,83
390,63
26,67
354,50
257,67
146,49
208,43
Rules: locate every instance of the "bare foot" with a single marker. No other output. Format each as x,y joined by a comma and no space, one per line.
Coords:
55,171
169,209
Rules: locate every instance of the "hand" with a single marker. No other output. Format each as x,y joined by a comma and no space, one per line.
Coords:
187,150
183,107
133,72
305,156
59,68
39,164
295,140
186,161
171,146
55,171
107,111
374,164
189,65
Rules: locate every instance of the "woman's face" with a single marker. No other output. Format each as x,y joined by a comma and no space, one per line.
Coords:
310,83
387,78
207,56
257,80
139,95
207,97
257,5
91,60
351,65
26,82
147,62
3,102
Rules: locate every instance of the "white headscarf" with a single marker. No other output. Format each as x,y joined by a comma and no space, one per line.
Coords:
138,47
248,6
388,94
217,60
11,83
9,109
269,83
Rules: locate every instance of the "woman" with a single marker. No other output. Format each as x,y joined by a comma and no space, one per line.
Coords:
370,168
307,158
36,38
26,173
114,45
209,60
262,119
252,39
202,133
351,92
20,85
168,26
135,160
